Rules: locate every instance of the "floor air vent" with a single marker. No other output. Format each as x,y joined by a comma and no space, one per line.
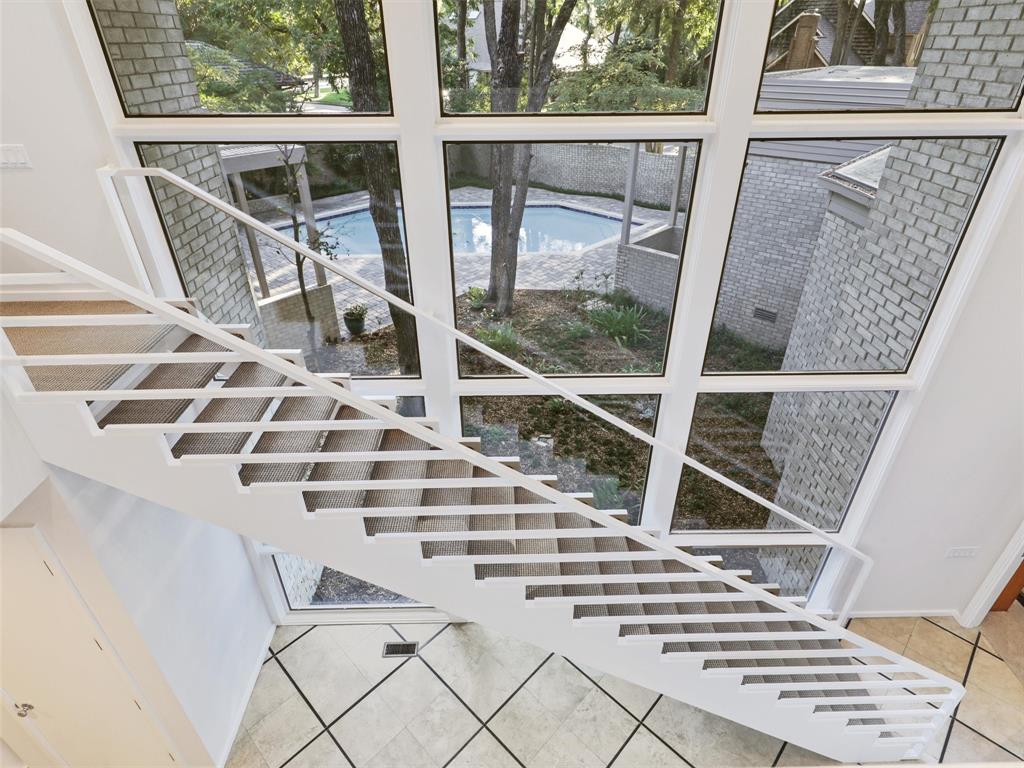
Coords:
393,650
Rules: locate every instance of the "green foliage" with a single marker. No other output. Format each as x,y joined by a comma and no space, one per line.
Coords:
338,98
728,351
627,80
501,337
476,296
606,493
624,324
577,329
633,55
226,86
293,37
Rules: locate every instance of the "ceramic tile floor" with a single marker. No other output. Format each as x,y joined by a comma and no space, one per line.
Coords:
474,699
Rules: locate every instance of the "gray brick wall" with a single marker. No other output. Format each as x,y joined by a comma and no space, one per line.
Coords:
869,287
649,273
589,169
146,46
774,233
973,58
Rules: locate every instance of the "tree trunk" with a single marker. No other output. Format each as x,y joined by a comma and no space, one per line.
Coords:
460,42
843,12
674,41
881,19
899,31
363,87
510,164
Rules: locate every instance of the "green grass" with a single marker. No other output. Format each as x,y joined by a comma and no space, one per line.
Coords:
335,98
729,352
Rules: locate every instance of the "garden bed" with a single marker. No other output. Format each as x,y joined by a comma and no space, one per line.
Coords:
559,332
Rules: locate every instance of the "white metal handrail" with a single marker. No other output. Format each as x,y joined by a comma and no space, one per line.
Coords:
865,563
560,500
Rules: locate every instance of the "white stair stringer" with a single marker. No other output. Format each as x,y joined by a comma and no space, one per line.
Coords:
66,434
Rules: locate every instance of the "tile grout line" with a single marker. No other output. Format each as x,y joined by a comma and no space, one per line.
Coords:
273,653
639,721
327,726
655,734
316,715
479,719
961,637
606,693
952,717
778,757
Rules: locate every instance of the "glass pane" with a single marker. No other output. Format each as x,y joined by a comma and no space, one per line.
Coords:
351,192
191,57
583,280
894,55
554,437
805,451
838,251
310,585
794,569
579,57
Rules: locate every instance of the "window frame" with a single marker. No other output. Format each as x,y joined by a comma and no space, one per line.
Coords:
1000,141
729,122
699,143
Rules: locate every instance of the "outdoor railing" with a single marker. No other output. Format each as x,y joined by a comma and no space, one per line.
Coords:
865,563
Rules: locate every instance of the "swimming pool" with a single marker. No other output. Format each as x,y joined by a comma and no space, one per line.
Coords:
547,228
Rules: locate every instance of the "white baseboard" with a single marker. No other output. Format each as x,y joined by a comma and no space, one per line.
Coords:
904,613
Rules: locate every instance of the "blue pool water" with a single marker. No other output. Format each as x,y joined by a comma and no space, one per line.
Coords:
549,228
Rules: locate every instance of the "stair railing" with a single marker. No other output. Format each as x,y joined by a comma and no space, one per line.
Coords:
454,448
864,561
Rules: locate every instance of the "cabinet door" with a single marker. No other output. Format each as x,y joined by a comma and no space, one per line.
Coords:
55,659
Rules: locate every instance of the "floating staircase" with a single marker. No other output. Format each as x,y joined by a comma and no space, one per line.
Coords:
148,397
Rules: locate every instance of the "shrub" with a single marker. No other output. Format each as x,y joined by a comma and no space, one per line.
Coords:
623,324
501,337
476,295
577,329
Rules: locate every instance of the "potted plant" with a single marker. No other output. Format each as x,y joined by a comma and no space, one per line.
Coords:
355,319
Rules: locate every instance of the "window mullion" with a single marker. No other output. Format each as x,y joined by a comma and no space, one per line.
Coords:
414,86
719,170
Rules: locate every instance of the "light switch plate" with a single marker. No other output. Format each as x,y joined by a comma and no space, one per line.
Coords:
962,551
14,156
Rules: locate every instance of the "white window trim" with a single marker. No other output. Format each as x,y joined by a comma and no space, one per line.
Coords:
419,131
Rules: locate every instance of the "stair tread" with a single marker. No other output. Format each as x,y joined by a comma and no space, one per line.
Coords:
85,340
236,409
291,409
167,376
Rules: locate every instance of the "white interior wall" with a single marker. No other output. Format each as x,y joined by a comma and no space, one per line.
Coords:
49,106
957,479
21,469
191,592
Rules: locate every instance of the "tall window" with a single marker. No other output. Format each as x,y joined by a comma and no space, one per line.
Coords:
586,189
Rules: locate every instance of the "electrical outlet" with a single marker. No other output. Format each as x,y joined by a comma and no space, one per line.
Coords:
962,551
14,156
